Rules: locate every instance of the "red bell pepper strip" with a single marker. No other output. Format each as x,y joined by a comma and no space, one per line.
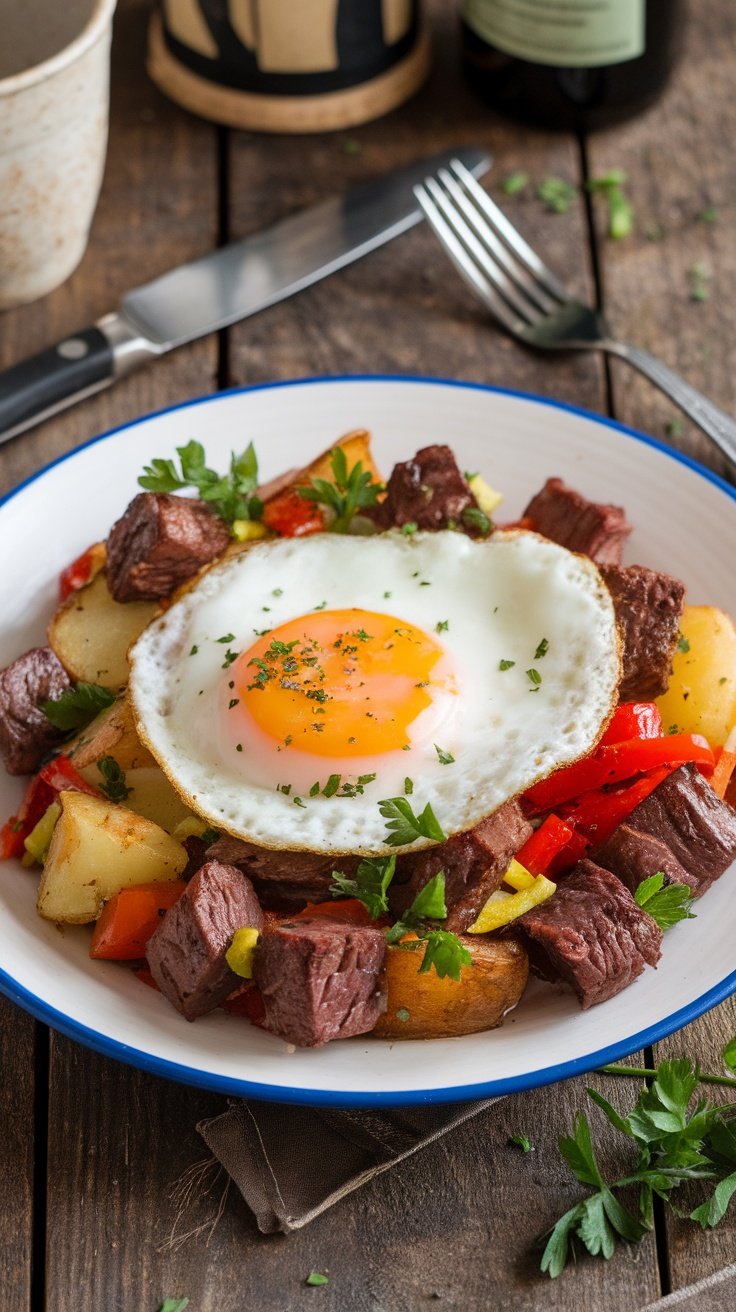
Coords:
128,920
291,516
633,720
610,765
544,845
571,853
348,909
57,776
81,571
596,814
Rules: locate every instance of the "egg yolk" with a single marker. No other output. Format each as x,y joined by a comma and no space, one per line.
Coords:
337,682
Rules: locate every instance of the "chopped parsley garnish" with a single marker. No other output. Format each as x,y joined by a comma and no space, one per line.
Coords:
234,701
506,665
232,496
405,827
230,656
542,650
667,904
408,786
409,529
442,626
620,210
682,643
277,592
534,677
444,758
332,785
476,518
283,788
113,785
78,706
298,801
403,1014
347,494
227,637
370,885
316,1277
194,650
522,1142
511,185
557,194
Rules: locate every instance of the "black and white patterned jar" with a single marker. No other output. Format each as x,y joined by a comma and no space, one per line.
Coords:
288,65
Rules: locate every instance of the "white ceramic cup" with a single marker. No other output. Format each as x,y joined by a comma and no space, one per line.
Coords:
54,99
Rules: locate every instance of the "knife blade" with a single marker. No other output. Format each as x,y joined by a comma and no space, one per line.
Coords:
219,289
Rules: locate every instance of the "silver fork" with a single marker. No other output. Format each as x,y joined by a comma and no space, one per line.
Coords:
526,298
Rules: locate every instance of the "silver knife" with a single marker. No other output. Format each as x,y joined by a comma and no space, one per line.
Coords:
227,285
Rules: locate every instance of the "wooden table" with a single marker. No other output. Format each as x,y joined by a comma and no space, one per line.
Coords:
89,1149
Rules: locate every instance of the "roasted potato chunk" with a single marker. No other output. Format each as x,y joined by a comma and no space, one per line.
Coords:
427,1007
111,733
701,697
90,633
98,848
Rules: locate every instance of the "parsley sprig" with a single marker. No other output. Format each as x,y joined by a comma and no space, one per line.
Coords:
676,1143
232,495
78,706
347,494
404,826
443,951
370,886
665,904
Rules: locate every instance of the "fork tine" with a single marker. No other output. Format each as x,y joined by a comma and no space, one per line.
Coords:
527,312
513,239
523,279
465,266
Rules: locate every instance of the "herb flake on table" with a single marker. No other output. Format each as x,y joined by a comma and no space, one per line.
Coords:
514,183
620,209
231,496
316,1278
557,194
699,282
521,1141
78,706
174,1305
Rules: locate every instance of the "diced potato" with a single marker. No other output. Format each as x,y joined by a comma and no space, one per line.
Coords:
97,849
701,697
487,497
427,1007
91,633
111,733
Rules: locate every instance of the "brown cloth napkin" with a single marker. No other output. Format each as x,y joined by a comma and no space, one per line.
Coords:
288,1179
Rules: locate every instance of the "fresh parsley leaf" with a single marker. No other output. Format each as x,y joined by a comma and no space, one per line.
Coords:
78,706
522,1142
370,885
444,758
445,954
405,827
667,905
347,494
174,1305
729,1055
714,1208
113,785
316,1278
232,495
429,903
442,626
506,665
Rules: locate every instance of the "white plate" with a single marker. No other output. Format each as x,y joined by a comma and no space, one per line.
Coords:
684,520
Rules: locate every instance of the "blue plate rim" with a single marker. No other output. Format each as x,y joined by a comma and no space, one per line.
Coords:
183,1074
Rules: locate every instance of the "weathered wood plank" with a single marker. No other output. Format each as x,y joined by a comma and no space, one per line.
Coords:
680,168
16,1157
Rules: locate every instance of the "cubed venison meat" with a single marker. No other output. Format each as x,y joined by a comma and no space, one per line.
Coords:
564,516
428,491
186,954
591,934
633,856
692,821
26,735
159,543
321,980
648,607
284,880
474,864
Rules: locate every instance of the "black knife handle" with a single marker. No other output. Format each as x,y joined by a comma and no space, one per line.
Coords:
53,379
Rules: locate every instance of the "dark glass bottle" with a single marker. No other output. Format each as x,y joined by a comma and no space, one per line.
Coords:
571,63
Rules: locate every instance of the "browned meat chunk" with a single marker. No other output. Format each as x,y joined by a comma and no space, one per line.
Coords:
633,856
159,543
25,734
563,515
693,823
648,607
321,980
428,491
186,954
592,935
474,864
283,880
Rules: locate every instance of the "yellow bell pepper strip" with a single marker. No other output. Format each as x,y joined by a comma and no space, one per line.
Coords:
517,876
239,955
37,842
502,908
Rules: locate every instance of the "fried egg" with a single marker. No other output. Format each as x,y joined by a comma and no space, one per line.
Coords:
302,682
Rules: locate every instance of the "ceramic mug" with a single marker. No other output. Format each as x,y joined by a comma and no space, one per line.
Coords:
54,96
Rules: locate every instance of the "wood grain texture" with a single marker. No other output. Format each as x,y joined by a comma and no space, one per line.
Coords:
680,165
405,310
158,207
16,1156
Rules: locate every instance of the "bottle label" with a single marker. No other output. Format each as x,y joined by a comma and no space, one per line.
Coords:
565,33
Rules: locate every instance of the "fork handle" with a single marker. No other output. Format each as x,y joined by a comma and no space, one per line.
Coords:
719,426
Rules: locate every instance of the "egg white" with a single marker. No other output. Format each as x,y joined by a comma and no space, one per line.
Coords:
487,602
